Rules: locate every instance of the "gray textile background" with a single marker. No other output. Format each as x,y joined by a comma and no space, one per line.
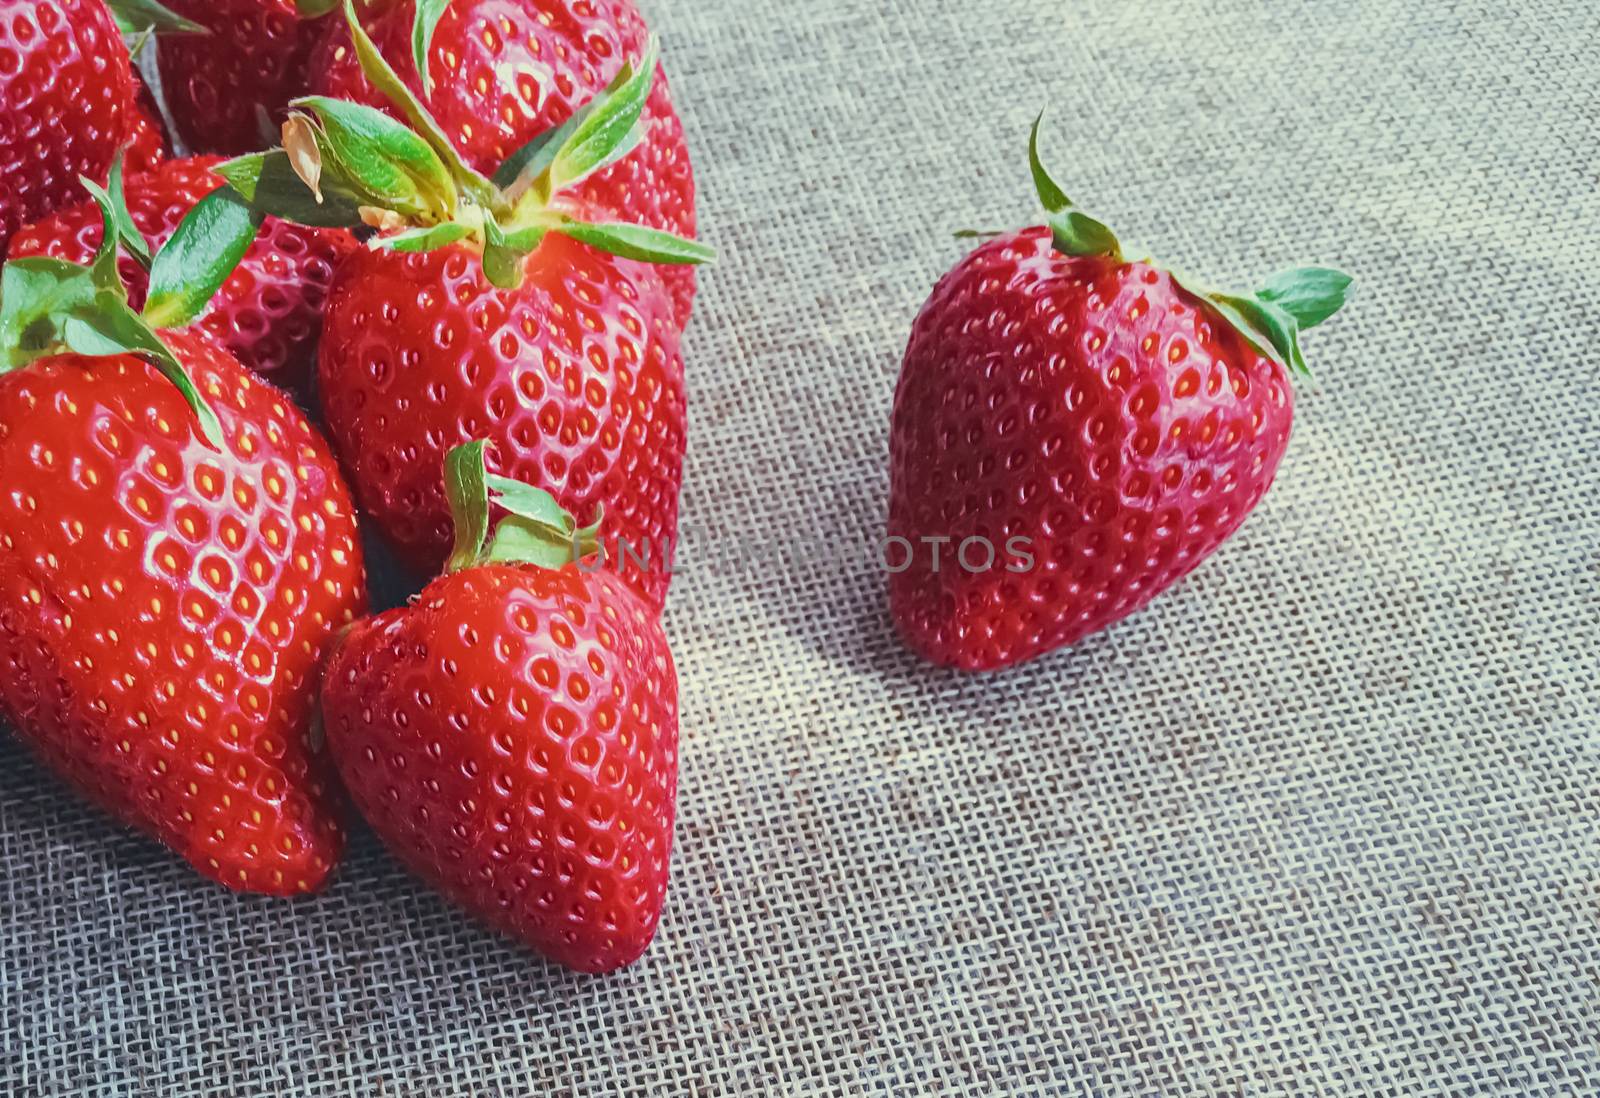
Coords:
1320,821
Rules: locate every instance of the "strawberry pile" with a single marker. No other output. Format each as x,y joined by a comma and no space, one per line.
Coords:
461,232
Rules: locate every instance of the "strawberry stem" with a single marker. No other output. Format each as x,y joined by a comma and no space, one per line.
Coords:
1272,318
535,529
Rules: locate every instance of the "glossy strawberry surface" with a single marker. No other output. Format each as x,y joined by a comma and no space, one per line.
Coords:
146,140
575,378
66,92
228,89
513,737
1093,407
165,607
505,71
268,312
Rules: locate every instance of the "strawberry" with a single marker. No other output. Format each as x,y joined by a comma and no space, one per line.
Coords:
1074,431
66,94
501,72
176,552
146,141
512,734
575,374
489,308
269,311
228,88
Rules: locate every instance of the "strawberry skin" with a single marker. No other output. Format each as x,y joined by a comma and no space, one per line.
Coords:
505,71
1092,406
224,85
512,737
164,607
575,378
268,312
66,93
146,139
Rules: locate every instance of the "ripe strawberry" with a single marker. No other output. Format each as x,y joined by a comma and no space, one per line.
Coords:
512,735
1120,420
66,91
269,311
504,71
575,375
146,140
489,308
228,88
175,554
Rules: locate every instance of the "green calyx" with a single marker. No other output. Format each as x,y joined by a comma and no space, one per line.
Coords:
535,529
148,16
1271,318
51,307
348,165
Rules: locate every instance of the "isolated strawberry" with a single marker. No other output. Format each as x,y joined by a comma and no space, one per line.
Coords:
66,91
501,72
490,308
512,734
146,141
268,312
176,552
1074,431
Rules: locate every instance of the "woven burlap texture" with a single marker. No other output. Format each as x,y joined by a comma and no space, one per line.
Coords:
1321,820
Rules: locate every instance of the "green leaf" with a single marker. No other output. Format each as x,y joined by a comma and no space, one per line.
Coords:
199,257
383,77
268,182
531,503
519,541
537,530
607,132
110,327
531,164
49,305
103,267
429,12
534,530
132,239
1076,233
636,242
244,173
533,159
502,259
1050,194
36,294
1309,294
314,9
136,16
467,490
427,239
1272,330
395,168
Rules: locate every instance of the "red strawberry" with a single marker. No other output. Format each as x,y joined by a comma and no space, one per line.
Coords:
512,736
1121,423
269,312
66,91
575,376
146,140
227,89
164,606
487,307
505,71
